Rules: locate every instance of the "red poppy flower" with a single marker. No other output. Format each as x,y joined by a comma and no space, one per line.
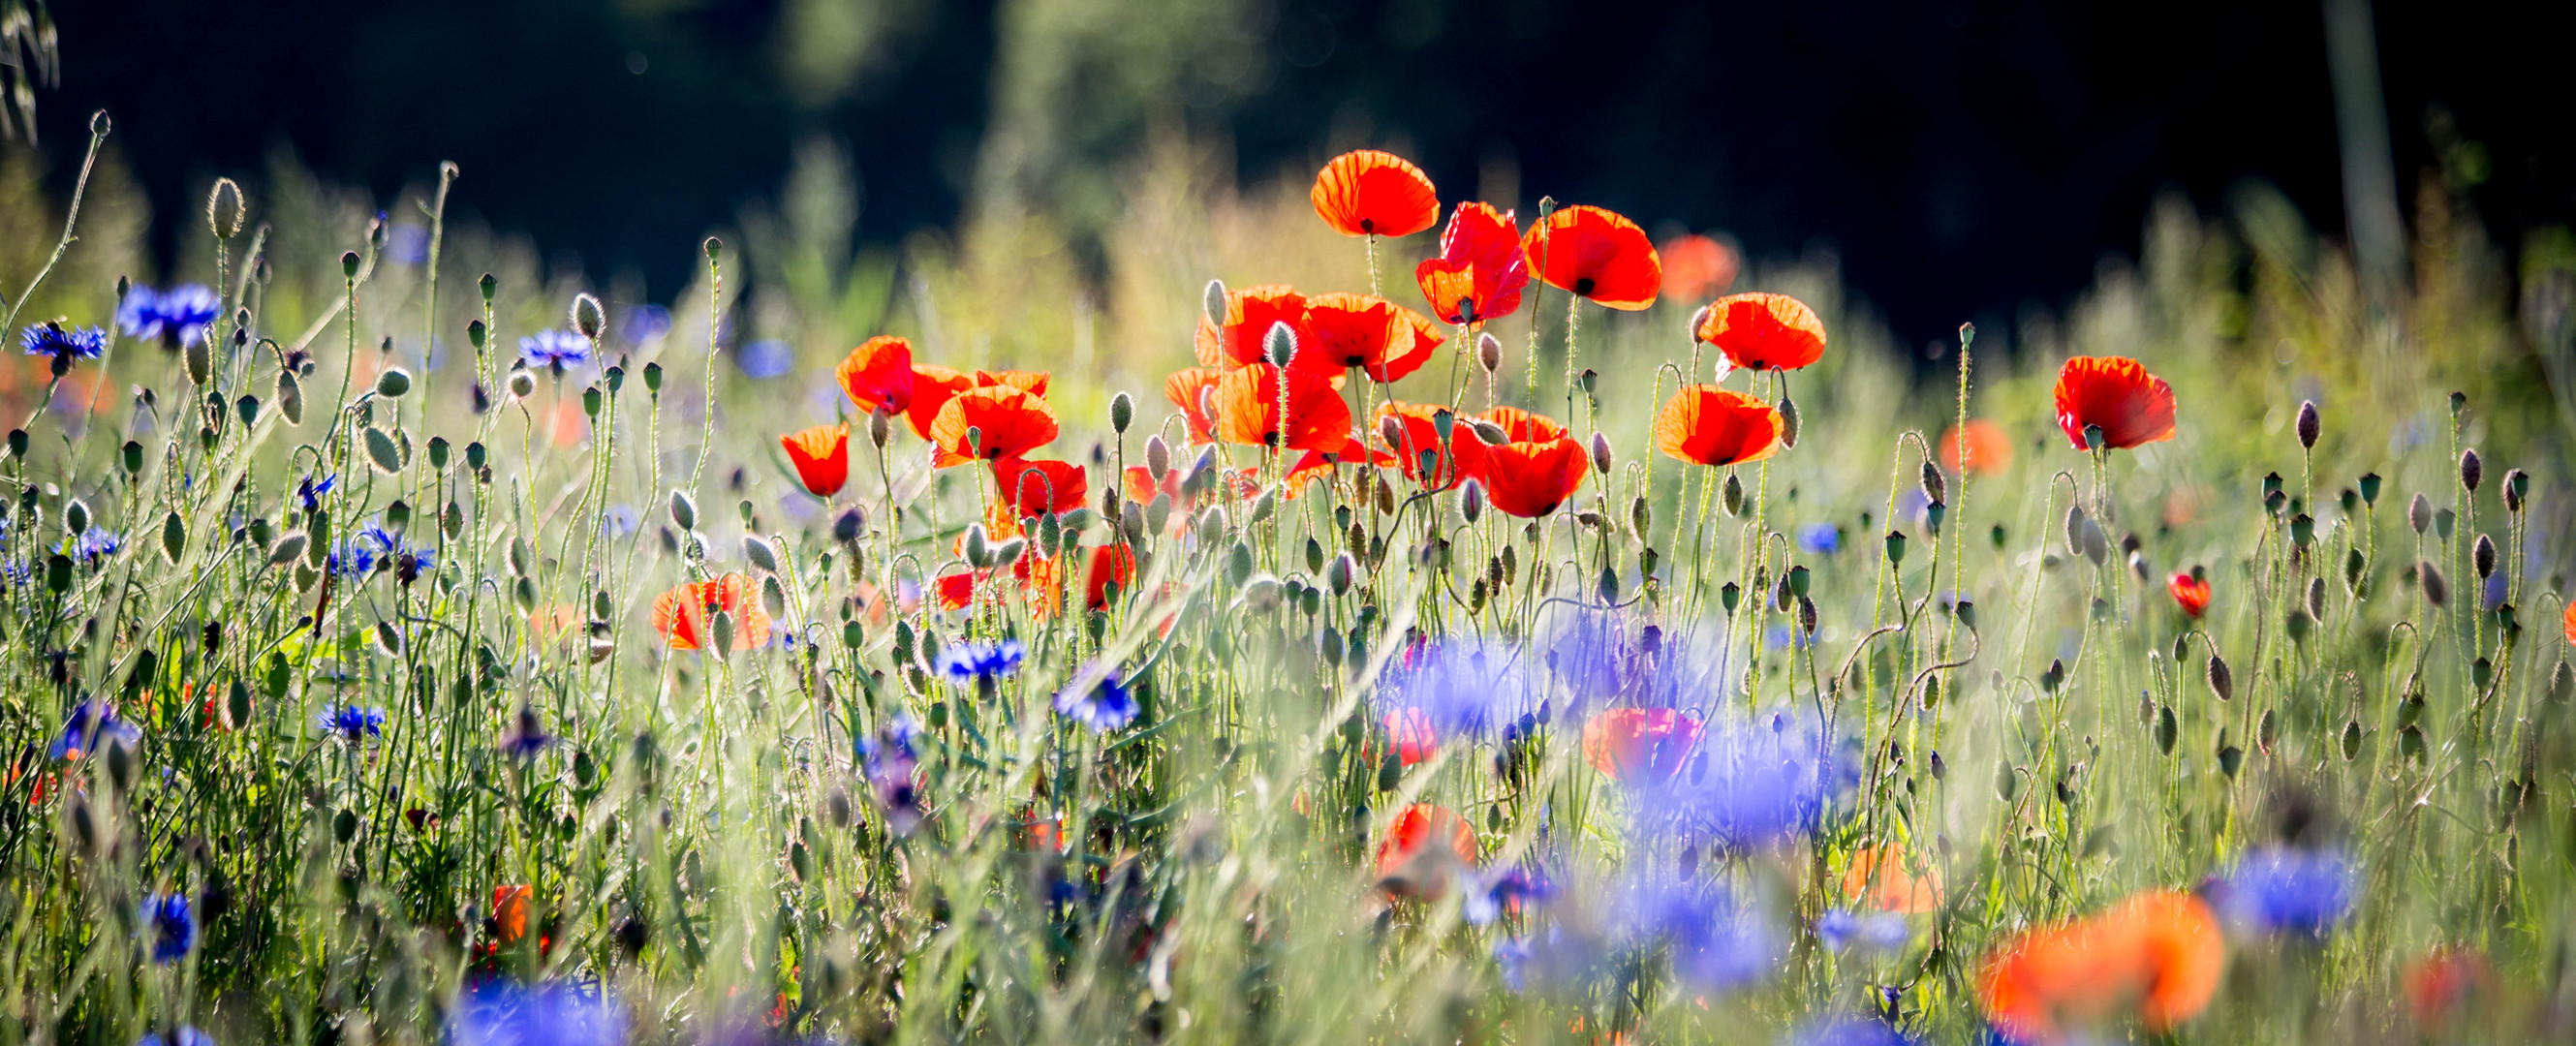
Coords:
822,457
2158,954
1596,254
1249,315
1695,266
2571,625
1248,410
1878,880
2190,593
1193,390
1141,488
878,374
1412,734
1417,431
957,591
1416,830
685,614
1983,447
1640,745
510,906
932,387
1034,381
1035,488
1530,479
1385,340
2440,985
2117,395
1375,193
1481,269
1709,425
1763,331
1525,427
1004,421
1110,565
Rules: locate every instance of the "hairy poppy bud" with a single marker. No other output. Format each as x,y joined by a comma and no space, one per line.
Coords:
1122,411
1279,345
1788,422
2369,484
2436,591
1935,488
1492,434
1732,497
2419,514
1214,302
2517,486
588,319
393,383
1489,352
1390,431
2470,471
2459,402
1158,457
2483,557
1699,321
1601,453
1471,500
684,510
880,427
2308,425
522,384
2075,521
2221,682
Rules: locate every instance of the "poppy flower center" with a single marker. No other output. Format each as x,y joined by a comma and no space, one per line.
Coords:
1368,225
1583,286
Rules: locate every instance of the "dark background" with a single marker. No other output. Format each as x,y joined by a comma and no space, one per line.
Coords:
1963,156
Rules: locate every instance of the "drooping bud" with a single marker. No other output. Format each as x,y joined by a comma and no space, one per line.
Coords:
1936,489
2221,682
1788,422
1731,497
1492,435
2308,425
2436,591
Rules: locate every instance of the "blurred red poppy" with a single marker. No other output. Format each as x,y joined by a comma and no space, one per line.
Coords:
1481,270
995,421
2440,985
2117,395
2190,593
1248,410
1416,431
878,374
1416,831
1531,478
685,615
1696,266
1640,746
1369,192
1193,390
510,906
2158,955
1035,488
1141,488
957,591
2571,625
1596,254
1763,331
1983,447
1877,880
1709,425
1249,315
1410,731
822,457
1110,565
1386,341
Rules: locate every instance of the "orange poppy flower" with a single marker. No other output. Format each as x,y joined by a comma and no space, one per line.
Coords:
2117,395
1481,270
2190,593
1695,266
1385,340
2158,955
1418,432
1248,410
1878,880
1004,421
1249,315
683,615
1763,331
1369,192
2571,625
822,457
1531,478
1596,254
1709,425
878,374
1193,390
1415,830
932,387
1524,426
1035,488
1035,381
1983,447
1141,488
1640,745
510,906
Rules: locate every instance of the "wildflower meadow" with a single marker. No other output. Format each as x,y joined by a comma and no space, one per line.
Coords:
1350,612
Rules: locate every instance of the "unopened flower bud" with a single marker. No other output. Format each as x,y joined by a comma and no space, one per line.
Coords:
2419,513
1471,500
1601,453
1279,345
2471,471
1788,422
1215,303
1489,352
1158,457
2483,556
1936,489
1122,412
2308,425
588,319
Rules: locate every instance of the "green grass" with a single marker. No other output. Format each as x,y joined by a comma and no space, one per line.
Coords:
700,841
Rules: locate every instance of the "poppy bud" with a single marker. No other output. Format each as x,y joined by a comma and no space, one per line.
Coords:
1471,500
880,423
851,523
522,383
2317,598
2220,682
1806,615
1588,380
2483,557
1601,453
978,552
1122,411
1214,303
224,209
2369,484
1279,346
2308,425
2517,486
1489,352
1699,320
1788,422
684,510
1491,434
1935,488
653,379
2442,520
2470,471
714,249
1640,516
2419,514
349,264
2436,591
588,319
392,383
1732,497
761,554
2075,530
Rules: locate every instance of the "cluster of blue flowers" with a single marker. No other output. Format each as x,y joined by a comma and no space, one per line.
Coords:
90,724
351,723
1753,782
1463,687
94,545
359,556
981,662
505,1013
891,764
2286,890
1098,699
179,316
555,350
173,927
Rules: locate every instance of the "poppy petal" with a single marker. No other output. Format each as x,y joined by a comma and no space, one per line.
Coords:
1708,425
822,457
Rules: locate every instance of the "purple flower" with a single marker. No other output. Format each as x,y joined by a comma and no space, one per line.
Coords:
527,737
352,723
1499,890
1752,783
502,1013
981,661
91,725
891,766
311,491
53,339
2279,889
1465,687
1562,956
1872,931
178,316
93,545
1099,701
183,1035
1716,941
642,323
172,927
767,358
555,350
1820,539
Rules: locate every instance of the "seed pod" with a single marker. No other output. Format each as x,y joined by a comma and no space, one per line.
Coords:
721,629
1935,488
1896,547
1122,411
2483,556
2007,782
2308,425
2221,682
522,384
1601,460
2436,591
1788,422
1732,496
2419,514
1489,352
2517,489
393,383
2470,471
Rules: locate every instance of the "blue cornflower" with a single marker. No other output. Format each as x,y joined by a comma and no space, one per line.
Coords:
1498,891
1464,687
1820,539
643,323
2279,889
890,764
503,1013
353,723
1717,942
556,350
354,559
91,725
383,539
179,316
173,927
1104,704
1871,931
93,545
184,1035
981,661
53,339
311,491
765,359
16,573
1754,782
528,737
1847,1031
409,243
